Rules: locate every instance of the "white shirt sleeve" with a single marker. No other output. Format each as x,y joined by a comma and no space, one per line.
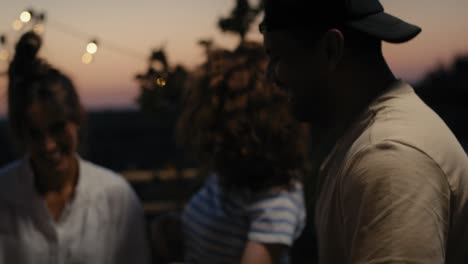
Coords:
132,241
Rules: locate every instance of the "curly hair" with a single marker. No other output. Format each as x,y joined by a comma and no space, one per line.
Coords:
239,125
32,79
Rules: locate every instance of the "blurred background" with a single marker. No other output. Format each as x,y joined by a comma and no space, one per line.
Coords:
130,61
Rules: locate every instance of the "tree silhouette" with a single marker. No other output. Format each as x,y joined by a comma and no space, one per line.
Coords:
446,92
207,45
446,86
161,87
240,19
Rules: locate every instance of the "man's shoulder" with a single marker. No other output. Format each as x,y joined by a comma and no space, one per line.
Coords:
403,117
404,126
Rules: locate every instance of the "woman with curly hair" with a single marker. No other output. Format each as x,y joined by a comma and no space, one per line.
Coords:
56,207
251,209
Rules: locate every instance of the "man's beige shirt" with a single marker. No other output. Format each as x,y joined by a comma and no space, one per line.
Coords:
395,188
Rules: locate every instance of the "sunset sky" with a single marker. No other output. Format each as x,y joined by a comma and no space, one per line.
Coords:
141,25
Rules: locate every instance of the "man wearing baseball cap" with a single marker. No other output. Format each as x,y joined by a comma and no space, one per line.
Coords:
393,185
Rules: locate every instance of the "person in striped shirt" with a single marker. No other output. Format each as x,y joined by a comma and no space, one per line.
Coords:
251,207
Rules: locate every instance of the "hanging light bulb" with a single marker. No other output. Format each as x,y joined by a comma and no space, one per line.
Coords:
92,47
160,82
87,58
17,25
26,16
4,55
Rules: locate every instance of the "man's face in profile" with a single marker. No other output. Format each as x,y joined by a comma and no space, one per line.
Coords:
299,68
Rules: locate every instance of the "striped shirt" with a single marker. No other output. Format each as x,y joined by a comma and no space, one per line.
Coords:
217,225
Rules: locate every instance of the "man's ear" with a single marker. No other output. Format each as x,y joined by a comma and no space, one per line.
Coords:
334,48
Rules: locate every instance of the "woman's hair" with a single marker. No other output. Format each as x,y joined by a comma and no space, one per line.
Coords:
32,80
240,125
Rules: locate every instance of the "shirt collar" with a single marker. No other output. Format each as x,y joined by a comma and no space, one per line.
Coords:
24,191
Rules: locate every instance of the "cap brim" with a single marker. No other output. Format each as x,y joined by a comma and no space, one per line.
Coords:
386,27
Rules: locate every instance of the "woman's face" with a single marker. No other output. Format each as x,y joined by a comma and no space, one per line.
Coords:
51,139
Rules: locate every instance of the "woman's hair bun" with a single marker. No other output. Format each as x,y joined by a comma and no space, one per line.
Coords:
28,46
25,60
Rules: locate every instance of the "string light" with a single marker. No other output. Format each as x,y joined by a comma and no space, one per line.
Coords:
17,25
4,55
87,58
25,16
160,82
35,21
92,47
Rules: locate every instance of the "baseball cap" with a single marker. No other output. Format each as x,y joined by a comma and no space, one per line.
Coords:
367,16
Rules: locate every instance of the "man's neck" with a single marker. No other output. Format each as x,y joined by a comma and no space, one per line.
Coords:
361,86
